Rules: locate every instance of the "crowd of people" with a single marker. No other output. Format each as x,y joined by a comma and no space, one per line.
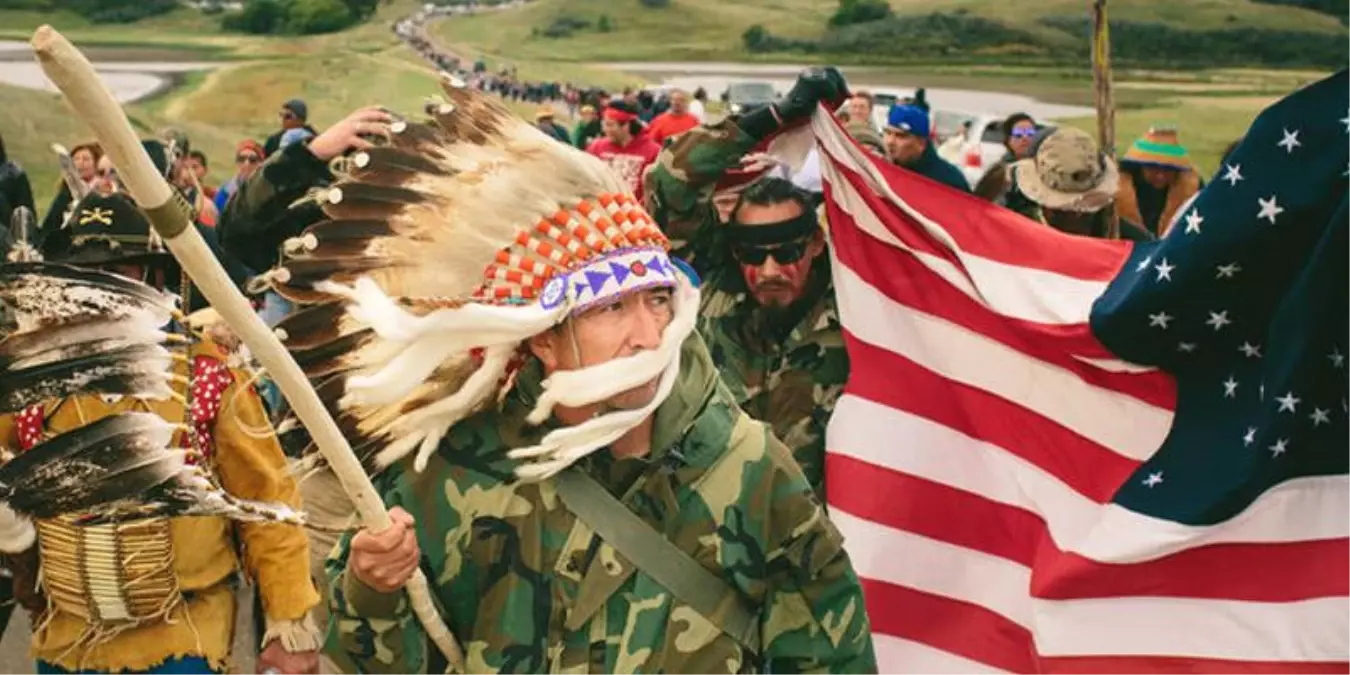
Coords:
586,316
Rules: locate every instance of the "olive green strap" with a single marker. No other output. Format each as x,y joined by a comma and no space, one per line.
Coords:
660,559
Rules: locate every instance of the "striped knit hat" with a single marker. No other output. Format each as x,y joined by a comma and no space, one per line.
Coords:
1159,147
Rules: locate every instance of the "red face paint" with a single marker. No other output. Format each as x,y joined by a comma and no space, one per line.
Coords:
778,285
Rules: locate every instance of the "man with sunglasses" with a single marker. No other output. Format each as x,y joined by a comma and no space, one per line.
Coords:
769,318
294,115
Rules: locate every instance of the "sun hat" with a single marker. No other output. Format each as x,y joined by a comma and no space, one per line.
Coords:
1159,148
1068,173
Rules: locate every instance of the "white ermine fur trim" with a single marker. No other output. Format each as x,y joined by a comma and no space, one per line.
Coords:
300,635
584,386
424,428
17,533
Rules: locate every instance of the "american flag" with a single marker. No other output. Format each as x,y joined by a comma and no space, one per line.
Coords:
1060,454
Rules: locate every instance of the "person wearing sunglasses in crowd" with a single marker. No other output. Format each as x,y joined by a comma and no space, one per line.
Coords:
248,156
999,184
769,318
294,114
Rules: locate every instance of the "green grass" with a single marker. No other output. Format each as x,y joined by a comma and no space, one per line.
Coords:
711,29
688,29
1206,125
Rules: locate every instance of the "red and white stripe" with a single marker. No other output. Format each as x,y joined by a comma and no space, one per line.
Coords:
972,462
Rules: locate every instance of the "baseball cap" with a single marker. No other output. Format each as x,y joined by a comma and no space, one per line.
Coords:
910,119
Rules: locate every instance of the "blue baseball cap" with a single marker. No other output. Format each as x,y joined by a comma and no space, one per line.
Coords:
909,119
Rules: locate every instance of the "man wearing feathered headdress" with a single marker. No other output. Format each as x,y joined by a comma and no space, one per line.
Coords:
154,591
498,326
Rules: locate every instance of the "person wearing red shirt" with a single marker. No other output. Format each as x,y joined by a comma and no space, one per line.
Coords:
675,121
623,147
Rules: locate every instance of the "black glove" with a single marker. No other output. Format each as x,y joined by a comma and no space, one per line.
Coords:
813,86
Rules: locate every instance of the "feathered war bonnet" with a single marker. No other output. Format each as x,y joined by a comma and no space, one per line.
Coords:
447,247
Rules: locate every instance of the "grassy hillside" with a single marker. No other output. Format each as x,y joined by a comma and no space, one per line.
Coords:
711,29
335,74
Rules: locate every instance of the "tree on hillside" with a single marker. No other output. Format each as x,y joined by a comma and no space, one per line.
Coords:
655,3
860,11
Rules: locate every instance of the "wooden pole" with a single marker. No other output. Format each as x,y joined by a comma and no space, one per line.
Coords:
168,212
1101,95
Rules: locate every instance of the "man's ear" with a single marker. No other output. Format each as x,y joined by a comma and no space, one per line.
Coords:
544,346
817,244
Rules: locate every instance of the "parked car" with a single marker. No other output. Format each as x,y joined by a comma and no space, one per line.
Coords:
742,97
972,142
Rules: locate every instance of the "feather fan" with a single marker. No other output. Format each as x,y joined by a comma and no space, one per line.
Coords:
41,295
141,370
119,468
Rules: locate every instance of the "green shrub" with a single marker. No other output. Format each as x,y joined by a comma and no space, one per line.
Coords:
655,4
565,26
1159,44
603,25
859,11
307,17
926,35
260,17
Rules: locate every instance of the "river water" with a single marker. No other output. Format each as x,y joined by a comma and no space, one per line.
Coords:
132,74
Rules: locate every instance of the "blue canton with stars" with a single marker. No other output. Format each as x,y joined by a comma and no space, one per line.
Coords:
1245,303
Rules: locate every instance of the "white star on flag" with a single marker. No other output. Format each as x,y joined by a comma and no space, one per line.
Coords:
1346,121
1288,402
1227,271
1269,209
1232,174
1337,358
1279,448
1160,320
1218,320
1250,436
1187,347
1230,387
1250,350
1143,264
1193,220
1290,141
1153,479
1164,270
1320,417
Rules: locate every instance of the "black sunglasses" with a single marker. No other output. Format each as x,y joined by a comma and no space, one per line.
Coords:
247,159
783,254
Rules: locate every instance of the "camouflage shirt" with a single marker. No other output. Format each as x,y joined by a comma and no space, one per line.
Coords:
787,374
527,587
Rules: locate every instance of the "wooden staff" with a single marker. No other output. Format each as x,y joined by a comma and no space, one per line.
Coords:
169,213
1101,95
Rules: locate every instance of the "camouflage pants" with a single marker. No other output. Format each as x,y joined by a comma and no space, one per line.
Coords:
328,509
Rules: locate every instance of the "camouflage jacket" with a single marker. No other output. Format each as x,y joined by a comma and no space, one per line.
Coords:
678,188
527,587
263,211
791,384
789,380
